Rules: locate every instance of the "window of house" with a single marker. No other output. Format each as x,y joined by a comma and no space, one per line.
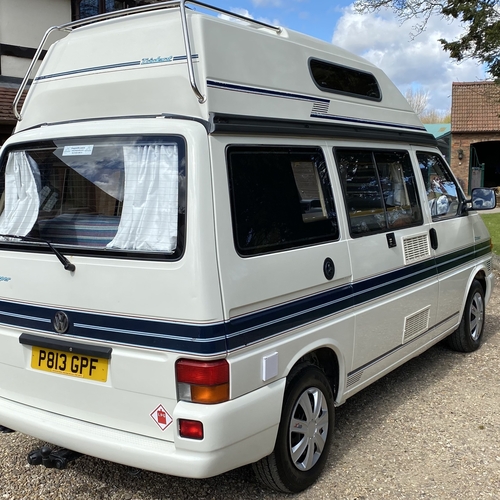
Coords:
380,190
343,80
280,198
88,8
443,194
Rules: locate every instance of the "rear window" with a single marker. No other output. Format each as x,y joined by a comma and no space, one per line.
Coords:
118,195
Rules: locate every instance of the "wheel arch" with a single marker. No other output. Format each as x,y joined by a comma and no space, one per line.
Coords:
479,273
325,358
481,277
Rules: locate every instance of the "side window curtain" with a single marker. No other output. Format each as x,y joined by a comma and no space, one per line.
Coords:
399,187
20,200
443,194
380,190
151,183
281,198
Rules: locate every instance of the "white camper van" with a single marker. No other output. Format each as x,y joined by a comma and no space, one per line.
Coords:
212,234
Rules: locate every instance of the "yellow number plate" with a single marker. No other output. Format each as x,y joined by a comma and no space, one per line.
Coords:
67,363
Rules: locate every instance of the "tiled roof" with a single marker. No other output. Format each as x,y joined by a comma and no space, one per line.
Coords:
475,107
7,95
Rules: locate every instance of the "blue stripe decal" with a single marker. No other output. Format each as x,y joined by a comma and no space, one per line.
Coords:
266,92
107,67
88,70
483,248
349,119
303,97
257,326
220,337
268,323
166,335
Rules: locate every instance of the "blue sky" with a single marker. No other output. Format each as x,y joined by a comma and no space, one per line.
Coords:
314,17
416,63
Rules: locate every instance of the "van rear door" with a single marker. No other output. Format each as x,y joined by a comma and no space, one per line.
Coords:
133,213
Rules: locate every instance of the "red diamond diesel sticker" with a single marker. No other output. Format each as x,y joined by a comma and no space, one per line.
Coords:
161,417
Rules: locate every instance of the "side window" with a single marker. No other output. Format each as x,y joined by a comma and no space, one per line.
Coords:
280,198
443,195
379,189
344,80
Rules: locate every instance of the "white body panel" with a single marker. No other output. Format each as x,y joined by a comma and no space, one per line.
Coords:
121,69
149,277
227,447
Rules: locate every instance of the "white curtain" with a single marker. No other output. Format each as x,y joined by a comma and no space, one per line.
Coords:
22,179
150,203
400,194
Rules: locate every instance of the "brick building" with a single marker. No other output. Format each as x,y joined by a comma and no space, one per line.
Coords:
475,133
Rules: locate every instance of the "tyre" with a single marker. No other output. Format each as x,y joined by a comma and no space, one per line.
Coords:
304,434
467,337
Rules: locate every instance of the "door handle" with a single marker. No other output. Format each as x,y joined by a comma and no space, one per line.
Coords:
434,238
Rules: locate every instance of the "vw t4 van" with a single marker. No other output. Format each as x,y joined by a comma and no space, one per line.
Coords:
212,234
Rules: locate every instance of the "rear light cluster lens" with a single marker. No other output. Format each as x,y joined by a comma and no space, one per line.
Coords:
204,382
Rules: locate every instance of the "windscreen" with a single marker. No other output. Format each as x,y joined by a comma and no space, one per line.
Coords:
97,194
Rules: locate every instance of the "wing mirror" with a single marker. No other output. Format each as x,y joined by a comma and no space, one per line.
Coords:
483,199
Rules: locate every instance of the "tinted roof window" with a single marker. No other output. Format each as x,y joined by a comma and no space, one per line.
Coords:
341,79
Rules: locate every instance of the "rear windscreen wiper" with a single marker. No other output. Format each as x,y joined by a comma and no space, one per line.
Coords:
64,261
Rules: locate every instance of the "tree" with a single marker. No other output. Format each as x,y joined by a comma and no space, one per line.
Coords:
481,19
434,116
418,100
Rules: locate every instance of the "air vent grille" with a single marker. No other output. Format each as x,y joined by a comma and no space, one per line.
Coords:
416,248
352,379
416,324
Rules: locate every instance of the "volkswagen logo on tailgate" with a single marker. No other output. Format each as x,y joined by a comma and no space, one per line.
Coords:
61,322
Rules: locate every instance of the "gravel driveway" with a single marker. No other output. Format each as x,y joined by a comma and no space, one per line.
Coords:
430,429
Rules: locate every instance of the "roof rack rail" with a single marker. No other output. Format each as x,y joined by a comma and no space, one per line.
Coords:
68,27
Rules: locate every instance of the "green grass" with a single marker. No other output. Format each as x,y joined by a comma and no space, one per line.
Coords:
492,222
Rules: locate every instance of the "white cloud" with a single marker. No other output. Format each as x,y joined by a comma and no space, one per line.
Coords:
246,13
418,63
242,12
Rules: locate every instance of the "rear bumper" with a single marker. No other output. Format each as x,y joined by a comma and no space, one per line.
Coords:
236,433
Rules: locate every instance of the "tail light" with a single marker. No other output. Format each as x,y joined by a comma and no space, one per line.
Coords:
204,382
192,429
